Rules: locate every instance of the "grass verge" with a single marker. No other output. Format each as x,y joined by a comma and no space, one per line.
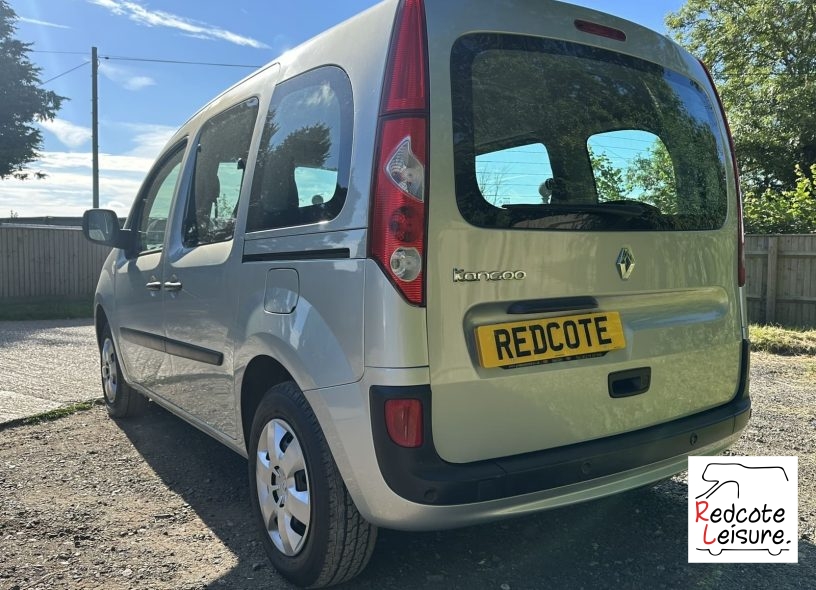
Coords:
785,341
58,413
45,308
52,415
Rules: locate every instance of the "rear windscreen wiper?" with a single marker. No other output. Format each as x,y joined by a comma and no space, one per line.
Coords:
619,215
628,208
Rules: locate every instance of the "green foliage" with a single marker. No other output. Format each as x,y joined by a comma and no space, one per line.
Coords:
45,308
785,341
22,101
786,211
648,177
652,176
608,177
763,56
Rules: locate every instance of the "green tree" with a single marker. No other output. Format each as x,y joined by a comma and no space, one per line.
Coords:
762,54
22,101
787,211
651,176
609,182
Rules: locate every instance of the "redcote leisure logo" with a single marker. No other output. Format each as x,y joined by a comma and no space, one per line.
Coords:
743,510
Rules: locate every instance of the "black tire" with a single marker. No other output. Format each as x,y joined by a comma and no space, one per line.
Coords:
121,400
336,543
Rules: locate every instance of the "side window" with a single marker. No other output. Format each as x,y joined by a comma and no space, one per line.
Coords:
220,165
632,164
303,162
518,175
155,204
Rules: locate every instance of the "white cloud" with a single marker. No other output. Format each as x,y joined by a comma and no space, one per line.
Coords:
68,192
67,133
159,18
148,140
139,82
321,96
42,23
67,189
59,161
124,77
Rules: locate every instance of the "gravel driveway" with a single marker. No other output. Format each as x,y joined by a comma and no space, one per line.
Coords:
86,502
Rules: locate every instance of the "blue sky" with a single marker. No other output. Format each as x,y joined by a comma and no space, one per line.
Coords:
142,103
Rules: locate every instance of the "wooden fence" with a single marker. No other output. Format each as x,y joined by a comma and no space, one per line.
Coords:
781,285
40,261
60,262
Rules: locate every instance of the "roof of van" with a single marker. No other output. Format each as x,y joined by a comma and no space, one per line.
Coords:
291,55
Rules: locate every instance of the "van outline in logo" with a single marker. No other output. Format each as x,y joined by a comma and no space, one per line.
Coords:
460,275
744,487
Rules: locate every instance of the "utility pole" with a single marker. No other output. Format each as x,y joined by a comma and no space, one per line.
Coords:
95,126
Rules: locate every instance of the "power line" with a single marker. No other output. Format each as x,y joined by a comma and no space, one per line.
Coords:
59,52
85,63
176,61
144,59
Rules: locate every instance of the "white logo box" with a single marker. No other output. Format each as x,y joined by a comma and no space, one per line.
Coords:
743,510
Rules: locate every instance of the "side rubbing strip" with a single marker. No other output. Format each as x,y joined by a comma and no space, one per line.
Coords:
195,353
174,347
333,254
145,339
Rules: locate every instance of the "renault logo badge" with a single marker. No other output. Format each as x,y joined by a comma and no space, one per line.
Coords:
625,263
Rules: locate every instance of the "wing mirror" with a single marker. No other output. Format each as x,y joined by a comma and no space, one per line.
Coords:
101,226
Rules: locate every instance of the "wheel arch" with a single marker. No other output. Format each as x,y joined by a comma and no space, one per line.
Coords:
262,373
100,321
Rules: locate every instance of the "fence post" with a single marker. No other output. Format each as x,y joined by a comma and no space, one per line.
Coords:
770,287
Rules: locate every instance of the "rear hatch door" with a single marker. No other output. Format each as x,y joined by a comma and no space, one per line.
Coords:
581,263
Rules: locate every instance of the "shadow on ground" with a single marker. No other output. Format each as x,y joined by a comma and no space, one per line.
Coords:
633,540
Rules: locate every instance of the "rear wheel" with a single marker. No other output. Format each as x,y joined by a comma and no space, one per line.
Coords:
121,399
311,529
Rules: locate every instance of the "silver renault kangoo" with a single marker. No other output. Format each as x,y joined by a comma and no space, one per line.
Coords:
445,263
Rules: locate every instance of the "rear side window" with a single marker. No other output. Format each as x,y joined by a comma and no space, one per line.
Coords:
221,155
555,135
302,171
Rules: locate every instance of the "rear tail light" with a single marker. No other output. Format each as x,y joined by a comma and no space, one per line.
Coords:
403,420
740,227
400,183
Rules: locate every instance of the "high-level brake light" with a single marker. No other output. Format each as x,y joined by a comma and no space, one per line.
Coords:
586,26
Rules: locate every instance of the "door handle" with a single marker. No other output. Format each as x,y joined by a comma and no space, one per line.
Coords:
154,285
173,285
630,382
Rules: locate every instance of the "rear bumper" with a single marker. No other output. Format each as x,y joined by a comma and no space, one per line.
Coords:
421,476
413,489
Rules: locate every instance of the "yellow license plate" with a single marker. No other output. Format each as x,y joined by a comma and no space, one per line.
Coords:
549,339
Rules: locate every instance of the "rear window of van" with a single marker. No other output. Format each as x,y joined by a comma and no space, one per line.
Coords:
558,136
